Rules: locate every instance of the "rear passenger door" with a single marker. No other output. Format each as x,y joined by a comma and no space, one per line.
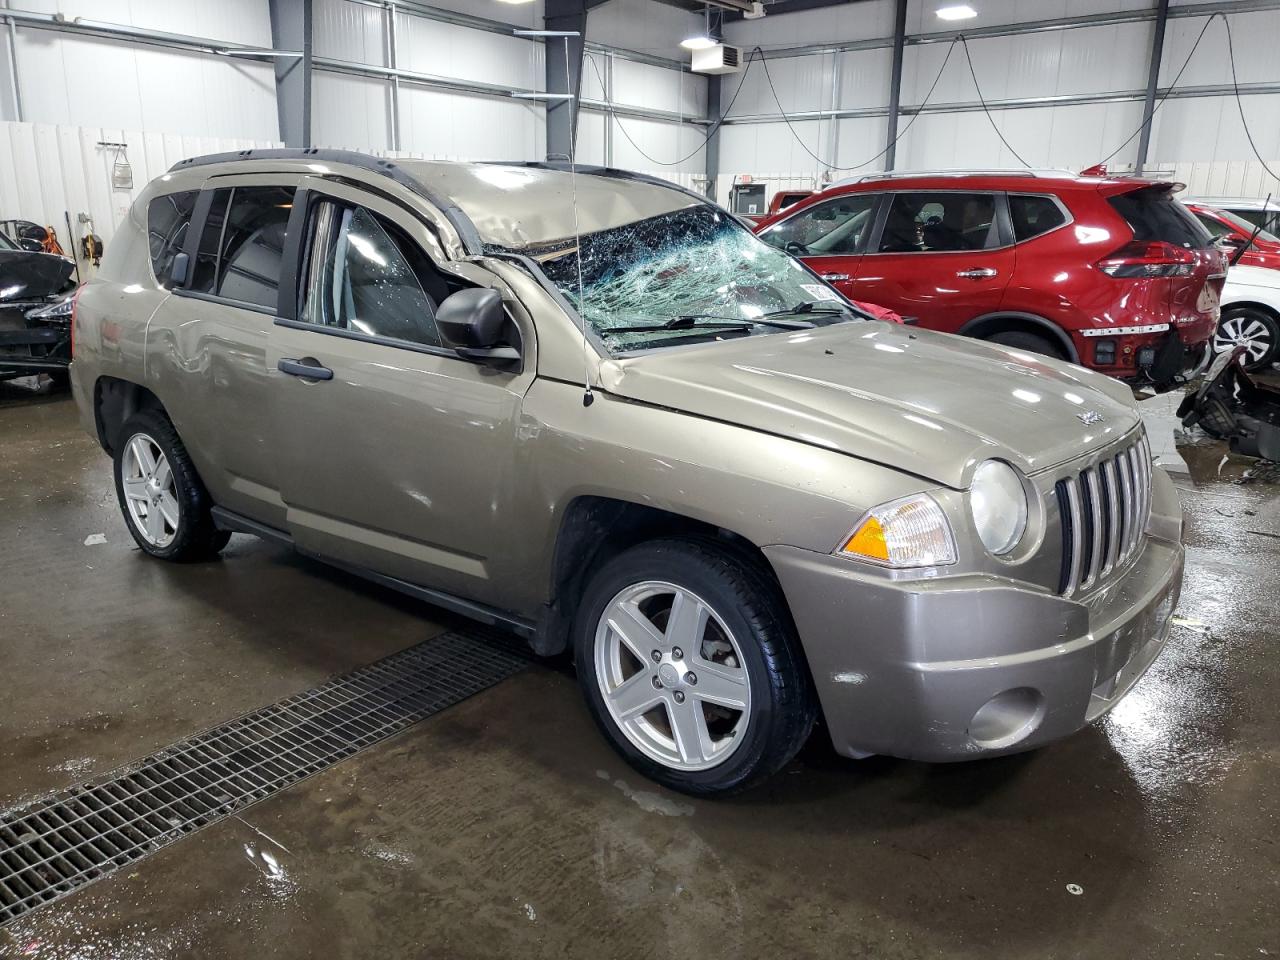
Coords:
830,236
396,455
207,343
942,257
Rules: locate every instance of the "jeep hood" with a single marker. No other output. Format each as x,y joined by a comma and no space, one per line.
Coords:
926,403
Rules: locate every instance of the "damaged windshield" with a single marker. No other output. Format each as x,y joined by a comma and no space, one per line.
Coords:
693,273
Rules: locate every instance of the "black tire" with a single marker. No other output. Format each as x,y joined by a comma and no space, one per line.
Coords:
1249,319
195,537
1026,340
783,706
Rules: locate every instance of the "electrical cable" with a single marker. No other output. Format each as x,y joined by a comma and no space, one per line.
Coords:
710,133
892,143
1178,76
1235,85
982,100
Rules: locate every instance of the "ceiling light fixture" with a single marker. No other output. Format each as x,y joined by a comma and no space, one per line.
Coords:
701,40
959,12
514,2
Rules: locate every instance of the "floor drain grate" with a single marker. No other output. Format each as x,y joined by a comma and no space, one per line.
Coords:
55,845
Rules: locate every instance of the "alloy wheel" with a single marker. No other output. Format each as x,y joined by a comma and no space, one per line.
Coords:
672,676
1244,330
150,491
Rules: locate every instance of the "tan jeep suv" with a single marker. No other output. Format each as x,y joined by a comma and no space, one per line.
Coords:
595,409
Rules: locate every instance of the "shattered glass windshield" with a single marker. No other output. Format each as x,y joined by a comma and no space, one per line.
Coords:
694,273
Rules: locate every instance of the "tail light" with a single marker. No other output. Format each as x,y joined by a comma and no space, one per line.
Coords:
1149,259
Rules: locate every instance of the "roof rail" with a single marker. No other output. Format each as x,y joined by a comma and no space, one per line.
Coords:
988,172
467,232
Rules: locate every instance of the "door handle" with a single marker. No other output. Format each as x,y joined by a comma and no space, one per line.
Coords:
834,277
977,273
308,368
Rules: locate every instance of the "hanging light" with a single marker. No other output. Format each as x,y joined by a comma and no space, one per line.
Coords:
961,11
703,39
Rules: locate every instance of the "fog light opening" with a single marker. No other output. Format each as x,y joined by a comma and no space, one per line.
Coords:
1007,718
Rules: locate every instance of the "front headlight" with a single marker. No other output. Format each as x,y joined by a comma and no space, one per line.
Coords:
911,532
998,503
59,310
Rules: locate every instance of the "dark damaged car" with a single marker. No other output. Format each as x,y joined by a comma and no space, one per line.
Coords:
35,311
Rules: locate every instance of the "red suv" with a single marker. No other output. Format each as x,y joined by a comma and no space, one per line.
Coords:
1234,230
1108,272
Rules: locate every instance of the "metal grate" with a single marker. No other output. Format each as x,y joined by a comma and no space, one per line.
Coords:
55,845
1104,510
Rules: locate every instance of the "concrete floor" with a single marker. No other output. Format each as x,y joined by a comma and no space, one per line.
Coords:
506,827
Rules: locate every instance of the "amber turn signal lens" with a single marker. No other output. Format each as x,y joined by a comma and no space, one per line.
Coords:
868,541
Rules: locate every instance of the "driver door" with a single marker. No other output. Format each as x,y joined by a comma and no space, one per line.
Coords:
394,454
829,236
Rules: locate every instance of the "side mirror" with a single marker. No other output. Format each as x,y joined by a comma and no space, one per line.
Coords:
471,322
1230,241
34,246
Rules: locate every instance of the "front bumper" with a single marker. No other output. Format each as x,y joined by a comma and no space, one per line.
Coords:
973,665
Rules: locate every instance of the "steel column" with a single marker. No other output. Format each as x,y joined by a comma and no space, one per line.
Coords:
291,30
394,64
895,84
563,56
1153,82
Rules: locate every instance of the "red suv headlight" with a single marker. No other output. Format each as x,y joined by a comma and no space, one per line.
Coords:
1148,259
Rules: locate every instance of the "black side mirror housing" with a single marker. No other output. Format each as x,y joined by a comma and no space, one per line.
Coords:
34,246
471,321
179,269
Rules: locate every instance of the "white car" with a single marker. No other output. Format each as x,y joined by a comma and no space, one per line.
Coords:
1250,314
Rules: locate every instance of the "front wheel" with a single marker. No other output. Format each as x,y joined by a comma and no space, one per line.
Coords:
691,667
1255,330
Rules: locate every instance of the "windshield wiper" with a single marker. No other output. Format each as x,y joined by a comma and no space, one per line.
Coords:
808,306
689,321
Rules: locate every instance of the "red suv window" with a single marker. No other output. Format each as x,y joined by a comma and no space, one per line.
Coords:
935,222
1034,215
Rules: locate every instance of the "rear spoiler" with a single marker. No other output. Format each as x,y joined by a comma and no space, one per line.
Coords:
1099,171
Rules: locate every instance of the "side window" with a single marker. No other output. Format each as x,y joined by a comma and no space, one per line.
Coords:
242,246
366,277
168,219
837,226
939,222
1215,227
1033,216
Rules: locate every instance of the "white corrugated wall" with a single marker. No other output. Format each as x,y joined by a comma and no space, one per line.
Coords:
50,170
1202,138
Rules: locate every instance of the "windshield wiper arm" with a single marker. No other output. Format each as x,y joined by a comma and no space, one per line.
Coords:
807,306
689,319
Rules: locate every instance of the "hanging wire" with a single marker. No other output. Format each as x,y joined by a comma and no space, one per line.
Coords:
705,140
892,143
982,100
1235,86
1178,76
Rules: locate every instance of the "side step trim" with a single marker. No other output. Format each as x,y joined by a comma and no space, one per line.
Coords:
225,519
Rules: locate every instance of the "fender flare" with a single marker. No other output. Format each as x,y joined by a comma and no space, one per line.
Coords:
978,325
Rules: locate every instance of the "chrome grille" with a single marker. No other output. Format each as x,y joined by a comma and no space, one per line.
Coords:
1104,510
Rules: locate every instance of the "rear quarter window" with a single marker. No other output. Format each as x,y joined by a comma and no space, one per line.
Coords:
168,219
1034,215
1153,215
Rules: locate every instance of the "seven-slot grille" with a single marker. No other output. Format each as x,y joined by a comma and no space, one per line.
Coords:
1104,511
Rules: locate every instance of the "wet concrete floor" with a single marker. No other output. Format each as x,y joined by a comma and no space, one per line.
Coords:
504,827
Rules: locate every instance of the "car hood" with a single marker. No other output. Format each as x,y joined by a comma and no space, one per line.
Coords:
930,404
26,275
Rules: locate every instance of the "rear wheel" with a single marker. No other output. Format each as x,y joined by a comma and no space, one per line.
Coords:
165,505
1031,342
691,668
1255,330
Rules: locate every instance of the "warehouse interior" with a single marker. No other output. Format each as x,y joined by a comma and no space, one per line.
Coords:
475,810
